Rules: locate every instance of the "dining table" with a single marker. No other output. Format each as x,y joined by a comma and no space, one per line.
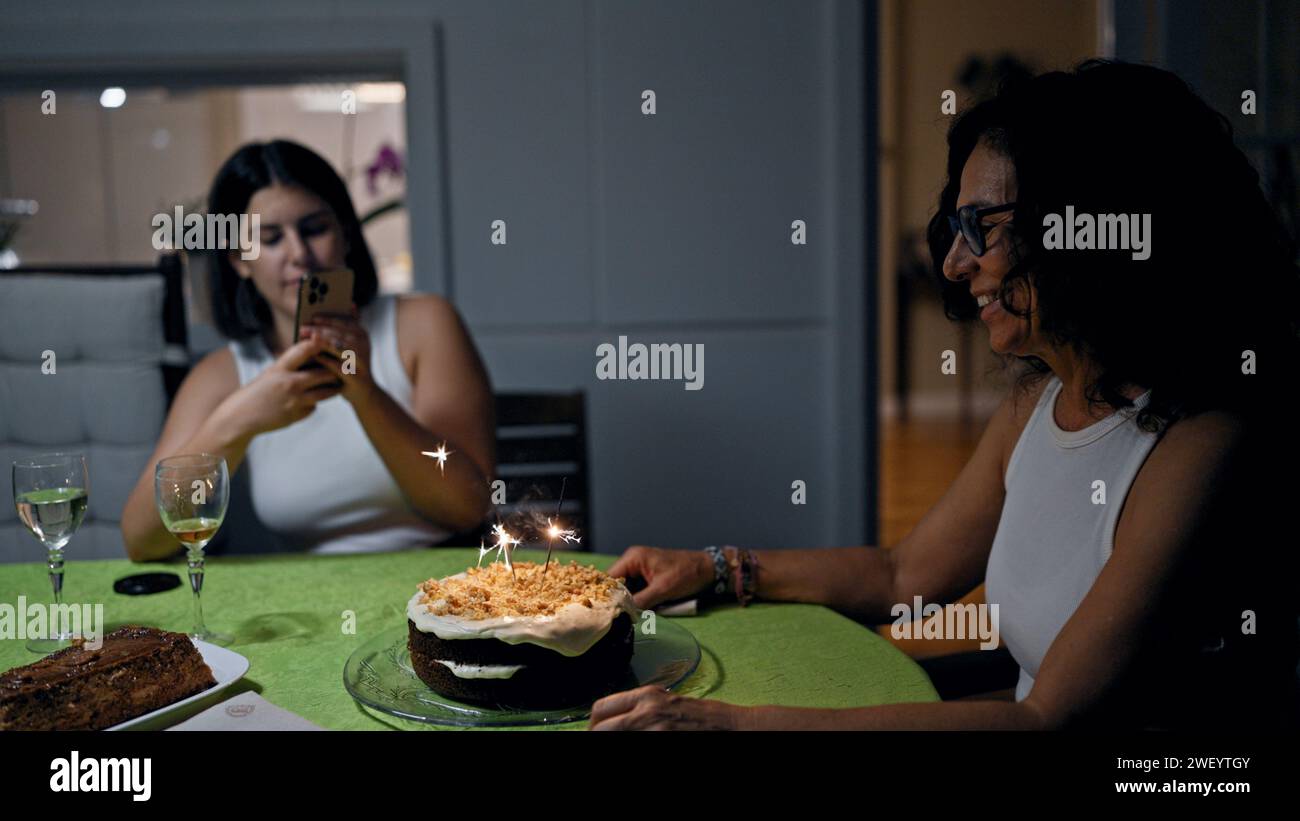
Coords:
297,618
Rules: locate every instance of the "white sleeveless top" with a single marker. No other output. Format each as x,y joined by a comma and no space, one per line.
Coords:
1052,540
319,483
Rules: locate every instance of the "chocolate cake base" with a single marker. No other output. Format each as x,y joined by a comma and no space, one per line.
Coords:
137,670
547,680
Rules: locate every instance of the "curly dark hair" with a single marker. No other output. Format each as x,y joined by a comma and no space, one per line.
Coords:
1118,138
239,312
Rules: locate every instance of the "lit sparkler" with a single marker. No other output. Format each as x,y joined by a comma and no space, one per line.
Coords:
441,455
554,531
505,546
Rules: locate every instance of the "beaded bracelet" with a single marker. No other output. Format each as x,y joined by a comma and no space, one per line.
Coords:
747,576
736,570
720,575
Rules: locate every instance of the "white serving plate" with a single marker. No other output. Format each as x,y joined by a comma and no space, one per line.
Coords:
227,668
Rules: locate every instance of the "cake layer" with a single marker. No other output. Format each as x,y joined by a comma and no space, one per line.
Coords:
462,670
136,670
493,651
543,678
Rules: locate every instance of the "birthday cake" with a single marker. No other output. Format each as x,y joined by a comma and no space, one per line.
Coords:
527,636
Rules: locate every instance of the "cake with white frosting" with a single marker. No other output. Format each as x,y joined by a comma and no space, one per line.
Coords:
530,638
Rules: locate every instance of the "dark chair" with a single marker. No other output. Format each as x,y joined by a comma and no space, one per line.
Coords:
541,449
963,675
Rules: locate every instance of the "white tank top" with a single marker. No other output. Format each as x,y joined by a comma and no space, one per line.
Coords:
1052,540
319,483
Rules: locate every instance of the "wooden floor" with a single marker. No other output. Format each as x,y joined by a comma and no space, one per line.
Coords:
919,459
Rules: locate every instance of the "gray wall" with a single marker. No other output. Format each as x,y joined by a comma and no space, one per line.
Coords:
671,228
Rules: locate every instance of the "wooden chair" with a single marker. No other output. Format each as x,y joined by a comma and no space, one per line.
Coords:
541,449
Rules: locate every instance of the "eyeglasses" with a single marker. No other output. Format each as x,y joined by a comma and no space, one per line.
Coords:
967,223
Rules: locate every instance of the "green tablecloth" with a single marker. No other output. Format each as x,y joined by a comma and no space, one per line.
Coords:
286,613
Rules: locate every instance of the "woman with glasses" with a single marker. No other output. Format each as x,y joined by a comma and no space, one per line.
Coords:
1118,505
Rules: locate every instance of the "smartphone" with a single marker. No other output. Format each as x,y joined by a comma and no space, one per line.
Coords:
324,292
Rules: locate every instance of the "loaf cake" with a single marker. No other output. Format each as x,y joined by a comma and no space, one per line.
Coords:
136,670
522,639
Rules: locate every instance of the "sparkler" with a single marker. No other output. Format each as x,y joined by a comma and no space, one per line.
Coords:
554,531
441,455
505,545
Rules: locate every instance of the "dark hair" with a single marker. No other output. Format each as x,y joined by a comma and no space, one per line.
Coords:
1221,279
237,308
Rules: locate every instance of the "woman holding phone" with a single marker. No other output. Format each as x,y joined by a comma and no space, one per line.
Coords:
336,453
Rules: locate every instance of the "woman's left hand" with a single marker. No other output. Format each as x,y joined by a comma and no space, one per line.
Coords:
348,346
653,708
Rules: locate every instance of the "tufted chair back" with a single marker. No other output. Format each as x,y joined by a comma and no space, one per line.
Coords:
82,369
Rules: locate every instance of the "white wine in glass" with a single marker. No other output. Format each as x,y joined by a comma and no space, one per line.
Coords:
194,533
51,493
192,493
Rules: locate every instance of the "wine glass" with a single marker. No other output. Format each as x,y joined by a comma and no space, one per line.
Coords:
192,492
50,492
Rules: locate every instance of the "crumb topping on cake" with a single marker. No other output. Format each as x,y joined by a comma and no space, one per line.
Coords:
492,591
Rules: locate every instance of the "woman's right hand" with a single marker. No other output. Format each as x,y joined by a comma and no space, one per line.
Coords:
669,574
281,394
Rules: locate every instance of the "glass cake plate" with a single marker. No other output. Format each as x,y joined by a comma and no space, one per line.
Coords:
379,675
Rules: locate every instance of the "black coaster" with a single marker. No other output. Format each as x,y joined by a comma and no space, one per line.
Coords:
142,584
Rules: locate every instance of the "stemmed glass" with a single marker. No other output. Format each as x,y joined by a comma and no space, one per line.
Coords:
51,492
192,492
